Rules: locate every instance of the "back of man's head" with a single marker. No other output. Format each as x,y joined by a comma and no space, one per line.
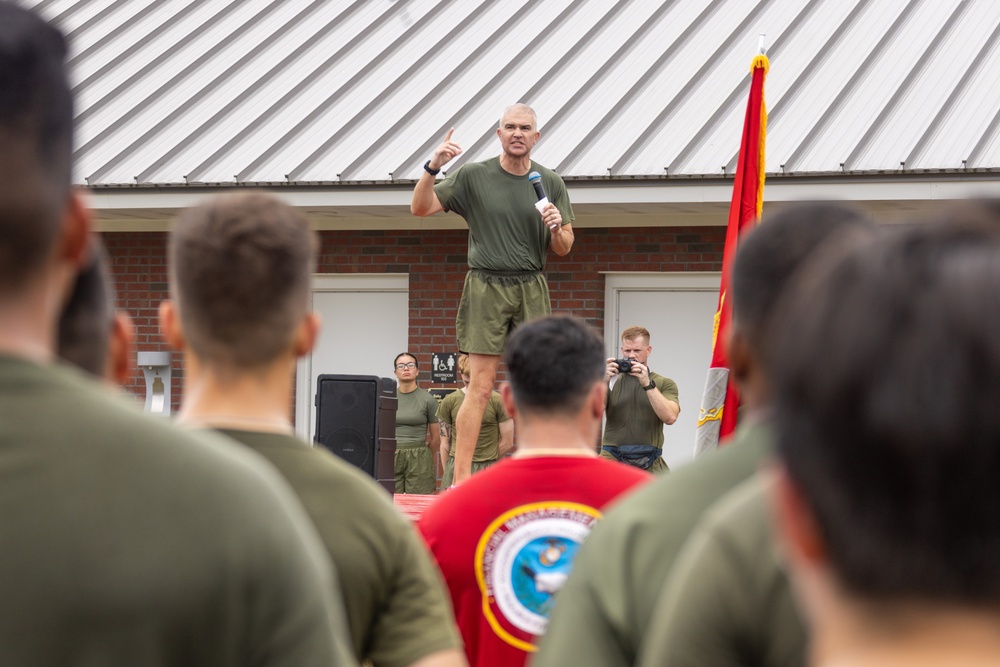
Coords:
36,141
886,395
87,318
240,268
553,362
777,248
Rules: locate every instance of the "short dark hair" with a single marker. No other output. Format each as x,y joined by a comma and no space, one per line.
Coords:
887,382
86,320
240,269
776,249
405,354
36,141
552,363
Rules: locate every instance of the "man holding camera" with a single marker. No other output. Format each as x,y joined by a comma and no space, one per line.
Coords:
638,404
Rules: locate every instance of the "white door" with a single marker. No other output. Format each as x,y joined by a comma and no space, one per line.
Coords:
678,309
365,325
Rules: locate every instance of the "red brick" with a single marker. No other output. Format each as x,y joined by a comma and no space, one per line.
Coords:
138,261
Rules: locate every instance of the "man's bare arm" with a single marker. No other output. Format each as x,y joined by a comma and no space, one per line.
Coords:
664,408
445,430
425,201
447,658
562,239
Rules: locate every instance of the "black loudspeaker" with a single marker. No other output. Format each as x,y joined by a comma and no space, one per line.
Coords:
356,420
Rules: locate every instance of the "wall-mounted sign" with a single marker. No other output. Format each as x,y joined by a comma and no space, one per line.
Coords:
444,367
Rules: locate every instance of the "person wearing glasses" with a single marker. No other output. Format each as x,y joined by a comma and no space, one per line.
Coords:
417,435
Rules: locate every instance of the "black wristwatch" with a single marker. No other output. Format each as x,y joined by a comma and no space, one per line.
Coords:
432,172
650,387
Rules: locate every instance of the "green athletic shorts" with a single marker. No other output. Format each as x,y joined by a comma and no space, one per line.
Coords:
449,470
414,469
493,303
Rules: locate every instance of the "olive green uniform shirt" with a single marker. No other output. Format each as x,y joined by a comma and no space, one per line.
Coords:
488,444
397,608
727,602
630,419
126,541
415,411
604,610
506,232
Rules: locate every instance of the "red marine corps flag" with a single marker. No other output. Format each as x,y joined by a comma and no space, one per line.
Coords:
717,418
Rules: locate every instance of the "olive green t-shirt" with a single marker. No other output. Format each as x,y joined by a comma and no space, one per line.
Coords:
631,420
621,568
727,602
397,608
488,444
506,232
126,541
414,412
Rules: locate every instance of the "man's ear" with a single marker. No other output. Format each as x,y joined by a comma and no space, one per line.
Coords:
77,223
119,366
170,326
598,394
507,397
740,357
794,522
306,334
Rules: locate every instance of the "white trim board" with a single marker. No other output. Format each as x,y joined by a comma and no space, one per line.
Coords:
338,282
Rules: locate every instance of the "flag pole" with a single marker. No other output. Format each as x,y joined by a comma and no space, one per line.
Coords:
720,402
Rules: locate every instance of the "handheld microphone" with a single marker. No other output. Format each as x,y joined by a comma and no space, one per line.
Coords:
536,182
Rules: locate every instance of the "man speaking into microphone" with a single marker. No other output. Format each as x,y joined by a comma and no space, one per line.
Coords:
512,220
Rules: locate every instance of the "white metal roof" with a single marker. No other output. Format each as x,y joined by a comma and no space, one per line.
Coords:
328,91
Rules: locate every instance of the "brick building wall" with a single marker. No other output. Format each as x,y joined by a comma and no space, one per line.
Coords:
435,261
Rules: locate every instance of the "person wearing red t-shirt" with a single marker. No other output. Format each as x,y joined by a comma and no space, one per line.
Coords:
505,539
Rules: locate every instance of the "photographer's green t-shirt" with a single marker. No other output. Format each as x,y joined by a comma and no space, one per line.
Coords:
631,420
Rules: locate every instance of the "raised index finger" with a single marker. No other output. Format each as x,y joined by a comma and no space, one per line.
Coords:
447,137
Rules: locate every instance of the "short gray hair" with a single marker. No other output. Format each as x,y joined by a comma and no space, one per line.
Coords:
514,108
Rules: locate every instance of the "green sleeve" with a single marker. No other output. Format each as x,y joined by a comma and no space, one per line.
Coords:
446,410
431,408
727,601
294,601
669,389
417,618
497,404
561,199
681,631
451,192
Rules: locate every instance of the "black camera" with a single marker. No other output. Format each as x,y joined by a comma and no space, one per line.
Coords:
624,365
